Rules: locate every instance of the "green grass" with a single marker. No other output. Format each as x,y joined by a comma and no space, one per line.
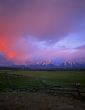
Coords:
56,76
38,101
8,79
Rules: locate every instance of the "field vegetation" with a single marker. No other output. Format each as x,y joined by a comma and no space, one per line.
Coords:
42,90
28,79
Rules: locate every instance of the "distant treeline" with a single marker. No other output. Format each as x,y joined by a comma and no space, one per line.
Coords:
50,69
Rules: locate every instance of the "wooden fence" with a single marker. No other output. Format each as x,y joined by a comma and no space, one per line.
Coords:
75,88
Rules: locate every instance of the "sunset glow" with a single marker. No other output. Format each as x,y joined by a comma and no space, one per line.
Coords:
39,30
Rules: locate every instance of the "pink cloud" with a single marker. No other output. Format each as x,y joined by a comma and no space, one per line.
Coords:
46,21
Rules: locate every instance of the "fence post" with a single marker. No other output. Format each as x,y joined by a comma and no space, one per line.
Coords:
77,86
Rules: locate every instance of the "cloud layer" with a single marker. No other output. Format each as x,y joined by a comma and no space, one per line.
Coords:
32,28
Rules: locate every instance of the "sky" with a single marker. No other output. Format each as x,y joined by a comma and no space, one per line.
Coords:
42,30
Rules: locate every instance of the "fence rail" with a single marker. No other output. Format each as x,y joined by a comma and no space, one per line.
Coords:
75,88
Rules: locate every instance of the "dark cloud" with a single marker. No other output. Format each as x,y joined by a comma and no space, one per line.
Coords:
4,61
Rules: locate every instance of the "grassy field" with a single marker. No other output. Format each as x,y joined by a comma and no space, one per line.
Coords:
24,100
29,79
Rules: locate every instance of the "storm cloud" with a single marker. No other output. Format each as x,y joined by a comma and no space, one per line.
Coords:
31,27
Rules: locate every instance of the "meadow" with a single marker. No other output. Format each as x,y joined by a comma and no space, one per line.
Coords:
35,90
28,79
